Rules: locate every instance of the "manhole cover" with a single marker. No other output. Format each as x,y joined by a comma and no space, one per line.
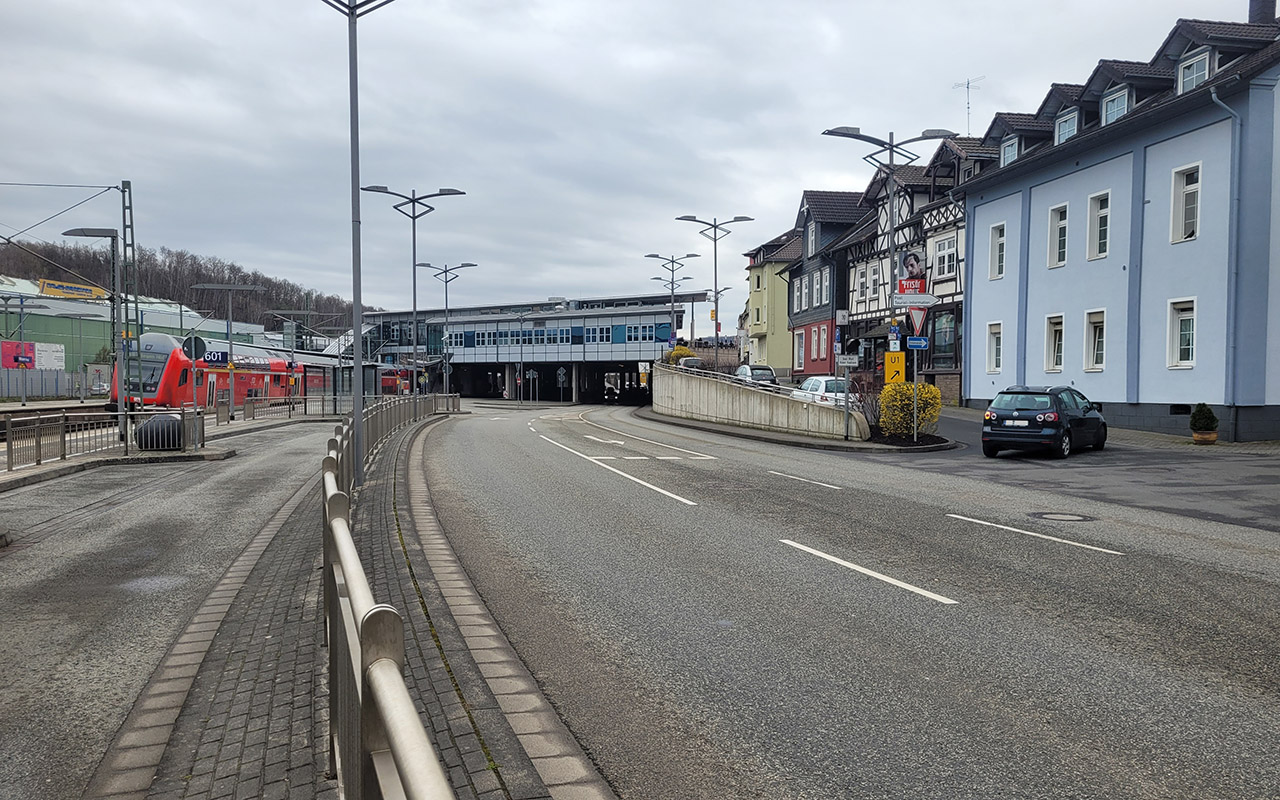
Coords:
1060,516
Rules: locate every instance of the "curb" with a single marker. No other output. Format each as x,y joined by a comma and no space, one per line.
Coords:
789,440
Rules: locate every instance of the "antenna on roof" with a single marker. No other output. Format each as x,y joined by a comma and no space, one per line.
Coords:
968,85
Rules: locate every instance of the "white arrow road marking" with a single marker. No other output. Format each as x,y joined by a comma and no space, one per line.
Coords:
870,573
692,455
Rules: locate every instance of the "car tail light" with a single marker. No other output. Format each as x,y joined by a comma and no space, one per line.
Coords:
1051,416
989,415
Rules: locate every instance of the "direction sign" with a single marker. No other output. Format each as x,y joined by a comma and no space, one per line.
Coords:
917,343
850,360
895,367
919,299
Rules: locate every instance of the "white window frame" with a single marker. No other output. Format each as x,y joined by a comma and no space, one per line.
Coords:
999,251
1072,117
1178,203
1095,340
798,346
1181,308
826,285
966,174
995,347
1190,64
862,283
1120,94
811,239
804,291
1054,343
1059,243
1007,157
795,296
822,351
1099,225
813,343
946,259
875,279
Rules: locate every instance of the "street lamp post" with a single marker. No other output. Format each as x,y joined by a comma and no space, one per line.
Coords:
446,275
520,376
413,206
714,230
117,321
353,10
715,293
888,149
230,288
672,265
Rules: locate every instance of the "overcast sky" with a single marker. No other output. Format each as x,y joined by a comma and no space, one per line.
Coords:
579,130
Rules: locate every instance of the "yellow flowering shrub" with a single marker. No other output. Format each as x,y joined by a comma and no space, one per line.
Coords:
895,408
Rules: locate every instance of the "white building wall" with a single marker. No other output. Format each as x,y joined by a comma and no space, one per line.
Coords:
993,300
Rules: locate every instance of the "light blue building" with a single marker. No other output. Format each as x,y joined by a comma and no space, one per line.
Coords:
1128,241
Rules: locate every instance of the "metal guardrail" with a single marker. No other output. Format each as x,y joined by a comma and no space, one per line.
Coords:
378,747
34,439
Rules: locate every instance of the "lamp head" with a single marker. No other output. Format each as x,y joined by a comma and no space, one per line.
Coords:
687,218
741,219
93,233
937,133
382,189
690,255
447,192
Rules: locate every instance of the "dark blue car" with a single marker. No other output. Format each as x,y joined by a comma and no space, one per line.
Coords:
1035,417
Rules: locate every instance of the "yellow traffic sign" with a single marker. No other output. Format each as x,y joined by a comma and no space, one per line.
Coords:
895,367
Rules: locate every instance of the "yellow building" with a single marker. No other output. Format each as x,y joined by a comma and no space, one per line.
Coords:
768,338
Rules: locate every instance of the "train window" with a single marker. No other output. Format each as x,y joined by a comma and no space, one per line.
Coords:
182,378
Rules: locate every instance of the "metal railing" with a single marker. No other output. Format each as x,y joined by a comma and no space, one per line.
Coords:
33,439
378,747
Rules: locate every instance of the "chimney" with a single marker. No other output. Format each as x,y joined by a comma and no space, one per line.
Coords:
1262,12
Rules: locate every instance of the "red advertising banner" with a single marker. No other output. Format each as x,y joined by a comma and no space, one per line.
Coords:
17,355
911,285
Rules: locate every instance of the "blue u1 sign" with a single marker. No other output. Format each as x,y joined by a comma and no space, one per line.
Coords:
917,343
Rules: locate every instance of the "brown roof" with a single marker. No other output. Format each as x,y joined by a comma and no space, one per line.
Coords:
834,206
786,247
1209,30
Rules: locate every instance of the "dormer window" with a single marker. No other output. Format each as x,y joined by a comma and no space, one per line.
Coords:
1065,128
1193,73
1008,150
1115,105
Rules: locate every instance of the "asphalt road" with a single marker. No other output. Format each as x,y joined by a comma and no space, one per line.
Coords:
717,617
107,568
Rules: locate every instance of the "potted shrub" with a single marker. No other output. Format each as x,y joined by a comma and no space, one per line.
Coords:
1204,424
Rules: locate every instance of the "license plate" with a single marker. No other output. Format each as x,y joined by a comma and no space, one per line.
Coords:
1015,423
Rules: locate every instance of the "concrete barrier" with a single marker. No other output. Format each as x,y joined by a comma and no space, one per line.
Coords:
697,394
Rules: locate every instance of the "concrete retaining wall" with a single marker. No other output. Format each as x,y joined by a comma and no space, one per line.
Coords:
690,394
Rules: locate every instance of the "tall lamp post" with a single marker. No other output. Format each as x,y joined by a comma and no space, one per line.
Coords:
414,207
672,265
117,318
446,275
230,289
716,295
353,10
714,230
883,160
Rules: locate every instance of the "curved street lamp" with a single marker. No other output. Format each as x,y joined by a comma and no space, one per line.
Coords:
446,275
883,161
714,230
414,207
672,265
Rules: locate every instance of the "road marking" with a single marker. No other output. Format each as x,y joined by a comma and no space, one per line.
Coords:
620,472
871,573
498,417
635,458
693,455
1037,535
602,441
602,458
805,480
669,458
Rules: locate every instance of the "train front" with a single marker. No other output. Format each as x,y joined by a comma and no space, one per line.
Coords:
145,371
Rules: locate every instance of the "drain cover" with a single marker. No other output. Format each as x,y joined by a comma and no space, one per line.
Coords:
1060,516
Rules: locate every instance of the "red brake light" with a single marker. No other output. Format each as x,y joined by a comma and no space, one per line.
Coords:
1051,416
989,415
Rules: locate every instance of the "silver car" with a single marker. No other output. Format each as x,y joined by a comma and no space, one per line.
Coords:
825,389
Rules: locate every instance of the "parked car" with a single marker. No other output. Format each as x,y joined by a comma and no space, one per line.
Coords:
691,362
100,387
756,373
827,389
1035,417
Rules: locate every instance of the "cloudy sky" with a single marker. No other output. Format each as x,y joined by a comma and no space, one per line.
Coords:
579,130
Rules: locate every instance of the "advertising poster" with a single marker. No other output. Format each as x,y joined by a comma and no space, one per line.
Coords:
17,355
51,356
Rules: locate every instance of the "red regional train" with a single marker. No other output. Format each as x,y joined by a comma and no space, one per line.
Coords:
259,373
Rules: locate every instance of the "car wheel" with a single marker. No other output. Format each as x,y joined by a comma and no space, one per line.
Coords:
1101,441
990,450
1063,447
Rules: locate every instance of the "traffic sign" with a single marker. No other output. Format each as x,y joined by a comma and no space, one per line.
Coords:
922,300
850,360
917,318
917,343
895,367
561,372
447,369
